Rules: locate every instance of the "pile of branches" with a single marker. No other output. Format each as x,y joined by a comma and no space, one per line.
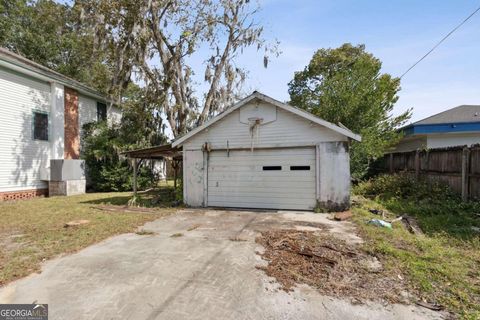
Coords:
330,265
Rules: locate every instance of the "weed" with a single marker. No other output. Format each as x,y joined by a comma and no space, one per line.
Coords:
144,232
443,265
176,235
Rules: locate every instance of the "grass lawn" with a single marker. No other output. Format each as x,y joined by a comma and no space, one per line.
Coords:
32,231
443,266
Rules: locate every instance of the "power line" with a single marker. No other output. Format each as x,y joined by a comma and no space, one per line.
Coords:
440,42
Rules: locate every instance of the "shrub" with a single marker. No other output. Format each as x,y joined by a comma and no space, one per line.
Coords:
404,186
107,169
438,209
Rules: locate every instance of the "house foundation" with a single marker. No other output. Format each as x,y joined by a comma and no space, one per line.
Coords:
66,188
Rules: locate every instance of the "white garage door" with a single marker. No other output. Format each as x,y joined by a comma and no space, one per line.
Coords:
273,179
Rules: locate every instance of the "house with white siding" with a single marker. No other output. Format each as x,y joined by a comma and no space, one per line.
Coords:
42,113
262,153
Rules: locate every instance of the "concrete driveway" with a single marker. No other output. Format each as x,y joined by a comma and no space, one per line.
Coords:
201,274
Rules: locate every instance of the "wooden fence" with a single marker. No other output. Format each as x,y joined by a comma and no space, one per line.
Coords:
459,167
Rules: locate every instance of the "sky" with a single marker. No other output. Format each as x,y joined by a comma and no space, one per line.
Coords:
398,32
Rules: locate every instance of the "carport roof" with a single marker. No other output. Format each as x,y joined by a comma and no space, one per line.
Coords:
157,152
257,95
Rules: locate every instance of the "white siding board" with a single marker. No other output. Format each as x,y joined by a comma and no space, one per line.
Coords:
452,140
114,114
437,140
237,179
57,122
288,129
23,82
87,111
22,157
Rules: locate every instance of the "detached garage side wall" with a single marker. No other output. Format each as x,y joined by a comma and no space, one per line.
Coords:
193,178
333,175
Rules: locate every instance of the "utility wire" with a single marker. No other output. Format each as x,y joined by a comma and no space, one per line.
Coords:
440,42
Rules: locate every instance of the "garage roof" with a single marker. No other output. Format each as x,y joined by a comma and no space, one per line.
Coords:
257,95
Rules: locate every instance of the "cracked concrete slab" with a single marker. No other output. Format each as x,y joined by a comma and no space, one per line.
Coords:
206,273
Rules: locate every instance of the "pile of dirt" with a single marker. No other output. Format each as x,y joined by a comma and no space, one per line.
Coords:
330,265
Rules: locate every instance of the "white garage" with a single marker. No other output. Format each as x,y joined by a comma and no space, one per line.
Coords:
261,153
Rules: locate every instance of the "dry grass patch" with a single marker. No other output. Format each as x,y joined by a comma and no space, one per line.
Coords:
32,231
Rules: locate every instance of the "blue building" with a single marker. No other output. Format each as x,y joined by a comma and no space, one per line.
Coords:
455,127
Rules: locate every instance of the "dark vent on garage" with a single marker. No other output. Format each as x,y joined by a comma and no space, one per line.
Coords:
271,168
300,168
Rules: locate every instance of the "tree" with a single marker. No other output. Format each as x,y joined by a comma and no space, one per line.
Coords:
156,41
50,34
345,85
141,125
107,169
103,143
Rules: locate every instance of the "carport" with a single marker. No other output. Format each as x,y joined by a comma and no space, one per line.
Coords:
164,152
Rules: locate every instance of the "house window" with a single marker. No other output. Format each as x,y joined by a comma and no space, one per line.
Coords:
272,168
40,126
101,112
299,168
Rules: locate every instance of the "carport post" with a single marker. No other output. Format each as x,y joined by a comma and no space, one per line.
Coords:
174,175
134,176
175,165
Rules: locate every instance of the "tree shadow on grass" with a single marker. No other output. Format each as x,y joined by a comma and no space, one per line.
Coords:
161,197
114,200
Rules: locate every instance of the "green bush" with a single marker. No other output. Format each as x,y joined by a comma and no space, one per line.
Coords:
119,177
107,169
404,186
